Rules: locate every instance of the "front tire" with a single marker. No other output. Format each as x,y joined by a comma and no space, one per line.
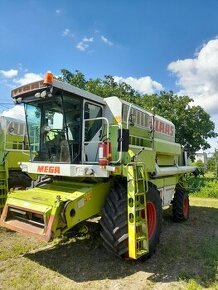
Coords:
18,179
114,220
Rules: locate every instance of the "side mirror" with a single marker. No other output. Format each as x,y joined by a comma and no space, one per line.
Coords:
123,140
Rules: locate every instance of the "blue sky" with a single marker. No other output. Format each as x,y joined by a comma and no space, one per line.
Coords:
152,45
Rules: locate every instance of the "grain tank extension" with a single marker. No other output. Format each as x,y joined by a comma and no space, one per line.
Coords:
96,156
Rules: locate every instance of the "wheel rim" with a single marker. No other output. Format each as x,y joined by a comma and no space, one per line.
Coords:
185,207
152,219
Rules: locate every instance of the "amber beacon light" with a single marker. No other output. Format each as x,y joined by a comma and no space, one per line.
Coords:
48,79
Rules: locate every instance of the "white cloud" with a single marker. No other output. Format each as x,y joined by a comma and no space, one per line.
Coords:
144,85
86,39
66,32
197,77
9,73
17,112
82,46
106,41
84,43
28,78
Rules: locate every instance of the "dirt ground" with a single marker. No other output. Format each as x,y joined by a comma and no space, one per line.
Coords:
186,258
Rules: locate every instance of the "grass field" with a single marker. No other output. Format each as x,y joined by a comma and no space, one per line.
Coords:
186,258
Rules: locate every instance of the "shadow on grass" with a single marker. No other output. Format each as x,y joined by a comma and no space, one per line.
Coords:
186,251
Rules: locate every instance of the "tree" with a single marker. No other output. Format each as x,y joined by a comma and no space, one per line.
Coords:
193,124
200,165
213,163
106,87
77,79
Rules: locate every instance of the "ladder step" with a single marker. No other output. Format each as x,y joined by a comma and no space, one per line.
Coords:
141,252
141,238
140,223
138,208
139,193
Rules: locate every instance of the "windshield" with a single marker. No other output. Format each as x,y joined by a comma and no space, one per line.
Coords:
54,129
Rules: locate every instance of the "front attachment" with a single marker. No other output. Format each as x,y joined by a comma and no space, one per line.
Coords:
30,217
50,211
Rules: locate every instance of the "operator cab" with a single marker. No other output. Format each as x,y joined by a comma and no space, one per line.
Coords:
63,127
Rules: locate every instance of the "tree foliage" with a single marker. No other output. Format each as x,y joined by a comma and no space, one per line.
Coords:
212,163
106,87
193,124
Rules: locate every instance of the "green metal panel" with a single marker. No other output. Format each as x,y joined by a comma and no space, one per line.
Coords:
147,156
165,147
11,153
68,202
166,160
166,181
15,157
3,185
86,203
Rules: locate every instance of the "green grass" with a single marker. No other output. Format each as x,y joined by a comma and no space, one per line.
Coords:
203,187
207,202
193,285
186,258
13,244
204,246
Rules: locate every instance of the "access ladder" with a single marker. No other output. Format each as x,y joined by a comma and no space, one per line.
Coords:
3,185
137,215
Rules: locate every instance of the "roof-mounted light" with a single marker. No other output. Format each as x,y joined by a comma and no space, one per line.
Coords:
48,79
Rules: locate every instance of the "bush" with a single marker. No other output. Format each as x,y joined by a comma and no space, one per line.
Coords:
206,188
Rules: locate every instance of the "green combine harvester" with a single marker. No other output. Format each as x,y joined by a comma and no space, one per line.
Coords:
12,151
96,157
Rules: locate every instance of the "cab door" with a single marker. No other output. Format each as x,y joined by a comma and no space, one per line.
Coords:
92,131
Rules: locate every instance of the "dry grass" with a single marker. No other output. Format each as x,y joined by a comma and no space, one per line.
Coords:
185,259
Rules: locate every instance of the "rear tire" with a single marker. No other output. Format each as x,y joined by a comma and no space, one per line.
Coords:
114,220
180,205
18,180
154,214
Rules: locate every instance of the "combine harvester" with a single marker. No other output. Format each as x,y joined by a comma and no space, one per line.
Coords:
12,151
96,156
